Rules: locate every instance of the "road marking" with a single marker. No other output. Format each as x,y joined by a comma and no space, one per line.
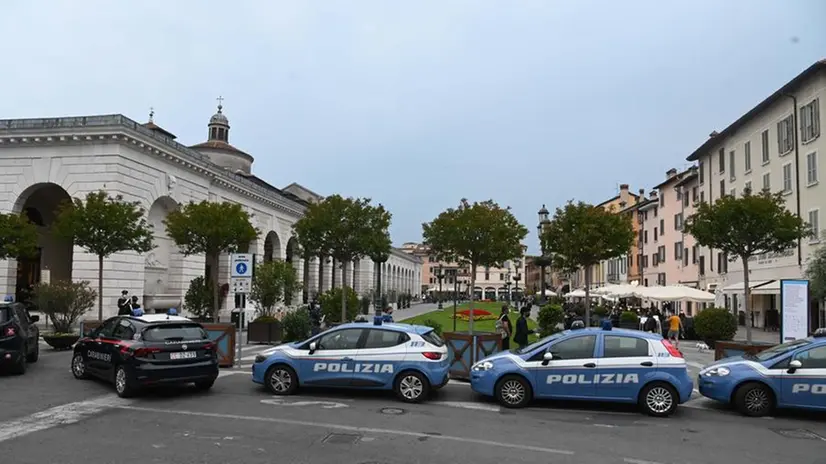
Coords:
223,373
350,428
638,461
58,415
467,405
695,364
323,404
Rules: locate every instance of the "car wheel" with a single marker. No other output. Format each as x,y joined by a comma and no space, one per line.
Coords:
659,399
513,391
79,367
124,385
204,385
411,387
754,399
281,379
35,355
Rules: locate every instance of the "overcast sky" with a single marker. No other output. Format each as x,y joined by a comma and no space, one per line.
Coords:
417,104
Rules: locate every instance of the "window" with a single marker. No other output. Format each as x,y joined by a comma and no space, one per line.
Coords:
811,168
701,167
810,121
661,278
655,259
787,178
764,145
655,233
347,339
722,188
662,226
377,338
656,210
661,253
624,347
701,265
747,157
662,198
433,338
813,359
174,332
678,221
645,261
645,237
694,194
695,250
107,328
5,314
575,348
785,135
678,251
814,225
124,330
721,157
733,192
702,197
747,187
767,182
686,200
731,156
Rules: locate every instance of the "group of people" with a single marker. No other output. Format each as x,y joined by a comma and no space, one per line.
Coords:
127,305
506,330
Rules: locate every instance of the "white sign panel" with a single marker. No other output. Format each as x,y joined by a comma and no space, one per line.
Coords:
241,285
794,309
241,265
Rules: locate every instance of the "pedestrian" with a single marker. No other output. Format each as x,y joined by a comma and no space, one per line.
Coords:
674,327
521,335
123,304
503,328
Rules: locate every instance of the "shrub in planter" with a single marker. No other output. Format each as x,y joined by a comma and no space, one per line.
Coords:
629,320
63,302
550,317
198,300
714,324
331,305
296,325
600,311
434,324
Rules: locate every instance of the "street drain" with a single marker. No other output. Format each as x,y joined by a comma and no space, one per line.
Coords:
341,439
392,411
801,434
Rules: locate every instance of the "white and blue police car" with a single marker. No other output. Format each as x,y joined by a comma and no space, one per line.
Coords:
409,359
791,375
611,365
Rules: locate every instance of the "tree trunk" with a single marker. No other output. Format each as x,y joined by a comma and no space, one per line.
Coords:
333,276
100,287
747,296
587,296
541,283
472,295
214,259
305,298
343,291
321,275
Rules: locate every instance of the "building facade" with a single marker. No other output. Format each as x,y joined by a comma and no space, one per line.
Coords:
776,146
44,162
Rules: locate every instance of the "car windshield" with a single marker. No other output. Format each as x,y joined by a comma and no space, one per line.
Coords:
539,343
433,338
174,332
5,314
778,350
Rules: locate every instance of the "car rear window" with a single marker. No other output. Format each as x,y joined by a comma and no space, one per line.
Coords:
433,338
5,314
174,332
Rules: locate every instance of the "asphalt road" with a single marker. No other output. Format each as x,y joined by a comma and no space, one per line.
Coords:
48,417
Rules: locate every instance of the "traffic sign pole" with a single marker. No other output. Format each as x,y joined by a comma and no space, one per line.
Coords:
241,270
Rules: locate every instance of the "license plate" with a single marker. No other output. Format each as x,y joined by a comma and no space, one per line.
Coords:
183,355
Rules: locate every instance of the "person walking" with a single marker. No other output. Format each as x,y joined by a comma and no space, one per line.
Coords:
521,335
503,328
674,327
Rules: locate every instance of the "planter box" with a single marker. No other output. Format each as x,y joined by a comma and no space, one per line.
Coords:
727,349
465,349
264,332
61,342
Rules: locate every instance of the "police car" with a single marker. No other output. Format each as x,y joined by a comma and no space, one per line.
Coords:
147,349
791,375
613,365
408,359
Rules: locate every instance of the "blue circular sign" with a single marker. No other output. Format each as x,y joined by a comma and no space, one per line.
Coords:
241,268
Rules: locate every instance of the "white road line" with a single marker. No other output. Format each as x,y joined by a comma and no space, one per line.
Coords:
467,405
351,428
58,415
224,373
638,461
695,364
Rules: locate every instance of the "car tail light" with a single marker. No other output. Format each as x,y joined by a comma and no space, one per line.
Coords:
127,351
209,346
671,350
10,332
432,355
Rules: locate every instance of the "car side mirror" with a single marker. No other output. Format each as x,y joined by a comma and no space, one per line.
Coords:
313,347
546,358
33,319
794,365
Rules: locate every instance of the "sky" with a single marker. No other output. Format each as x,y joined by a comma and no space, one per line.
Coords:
418,104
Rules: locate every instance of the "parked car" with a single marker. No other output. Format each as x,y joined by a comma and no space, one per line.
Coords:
19,337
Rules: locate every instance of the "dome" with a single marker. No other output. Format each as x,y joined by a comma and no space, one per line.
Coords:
219,118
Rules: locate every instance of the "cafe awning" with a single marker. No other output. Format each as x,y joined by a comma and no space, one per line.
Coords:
738,287
771,288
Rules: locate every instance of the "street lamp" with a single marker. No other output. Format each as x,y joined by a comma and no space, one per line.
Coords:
543,222
517,276
440,274
455,295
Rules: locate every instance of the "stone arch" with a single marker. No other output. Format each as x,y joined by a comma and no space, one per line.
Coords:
40,202
272,247
163,266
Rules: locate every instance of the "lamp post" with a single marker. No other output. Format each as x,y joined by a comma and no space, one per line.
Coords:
455,296
517,276
543,222
440,274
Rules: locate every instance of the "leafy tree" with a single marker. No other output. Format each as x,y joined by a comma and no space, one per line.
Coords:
198,298
712,324
64,302
580,235
551,316
18,237
331,304
816,273
296,325
271,283
478,234
742,227
311,233
210,228
103,226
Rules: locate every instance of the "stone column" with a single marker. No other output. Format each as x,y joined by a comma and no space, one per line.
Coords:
313,277
355,277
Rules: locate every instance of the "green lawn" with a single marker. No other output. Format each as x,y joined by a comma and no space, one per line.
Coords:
445,318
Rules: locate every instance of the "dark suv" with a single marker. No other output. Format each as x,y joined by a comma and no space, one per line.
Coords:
19,337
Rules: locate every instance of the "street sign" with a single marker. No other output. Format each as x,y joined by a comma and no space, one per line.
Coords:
241,265
241,284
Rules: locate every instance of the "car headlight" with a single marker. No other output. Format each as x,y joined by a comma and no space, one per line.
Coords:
483,366
260,358
717,372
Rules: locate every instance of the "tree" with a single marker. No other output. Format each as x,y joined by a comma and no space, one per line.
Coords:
816,273
581,235
18,237
477,234
311,233
64,302
104,225
210,228
271,283
744,227
347,229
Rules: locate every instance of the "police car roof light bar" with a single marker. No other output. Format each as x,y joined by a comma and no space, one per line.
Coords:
8,299
671,350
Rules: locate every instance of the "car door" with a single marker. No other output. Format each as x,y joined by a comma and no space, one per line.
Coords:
331,364
805,387
99,350
379,358
570,374
624,363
